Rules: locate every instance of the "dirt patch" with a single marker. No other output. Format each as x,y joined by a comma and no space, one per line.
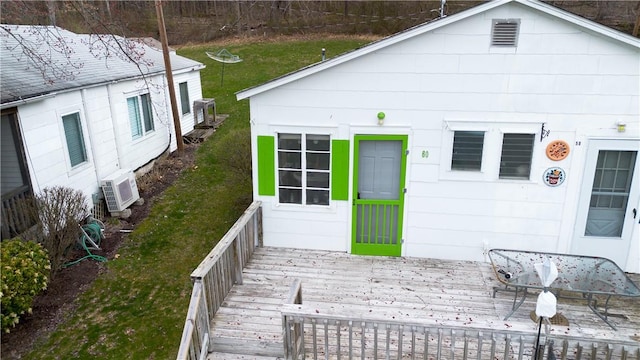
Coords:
52,307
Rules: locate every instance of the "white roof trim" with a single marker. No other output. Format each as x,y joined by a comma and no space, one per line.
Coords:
429,26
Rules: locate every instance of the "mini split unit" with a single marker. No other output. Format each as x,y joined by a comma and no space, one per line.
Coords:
120,190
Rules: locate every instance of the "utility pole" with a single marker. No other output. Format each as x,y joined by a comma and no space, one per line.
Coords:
167,66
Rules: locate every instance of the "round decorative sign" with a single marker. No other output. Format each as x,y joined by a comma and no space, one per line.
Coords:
557,150
554,176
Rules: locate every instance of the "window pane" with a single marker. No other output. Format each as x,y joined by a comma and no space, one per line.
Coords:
317,142
184,98
289,141
303,168
146,111
318,161
290,178
289,160
290,196
517,150
75,141
467,150
318,180
134,117
610,193
317,197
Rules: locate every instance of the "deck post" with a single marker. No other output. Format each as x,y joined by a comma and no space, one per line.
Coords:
237,259
258,227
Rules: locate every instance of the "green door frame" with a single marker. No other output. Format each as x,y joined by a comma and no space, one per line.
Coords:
383,208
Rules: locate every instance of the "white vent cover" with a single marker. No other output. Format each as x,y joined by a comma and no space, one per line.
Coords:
504,32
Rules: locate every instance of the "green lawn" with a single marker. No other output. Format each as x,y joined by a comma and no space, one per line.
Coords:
137,308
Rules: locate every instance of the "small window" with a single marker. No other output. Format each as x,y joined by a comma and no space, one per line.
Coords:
184,98
75,140
504,32
303,169
140,115
467,150
517,150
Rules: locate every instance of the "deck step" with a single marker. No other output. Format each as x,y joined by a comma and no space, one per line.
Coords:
229,356
233,343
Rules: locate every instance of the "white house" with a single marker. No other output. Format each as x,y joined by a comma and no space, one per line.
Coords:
513,124
78,108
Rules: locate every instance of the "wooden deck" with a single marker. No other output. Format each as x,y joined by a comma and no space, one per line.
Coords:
458,293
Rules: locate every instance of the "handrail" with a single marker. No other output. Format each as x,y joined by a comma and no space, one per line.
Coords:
334,335
214,277
293,334
193,330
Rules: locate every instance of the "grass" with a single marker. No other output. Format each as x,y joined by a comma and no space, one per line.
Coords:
137,307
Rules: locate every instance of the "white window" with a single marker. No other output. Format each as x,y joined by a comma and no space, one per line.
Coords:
140,115
184,98
303,168
75,139
467,150
517,152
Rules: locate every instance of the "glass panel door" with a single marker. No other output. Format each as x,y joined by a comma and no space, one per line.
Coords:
610,193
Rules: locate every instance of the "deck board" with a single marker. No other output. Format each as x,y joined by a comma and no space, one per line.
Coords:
249,323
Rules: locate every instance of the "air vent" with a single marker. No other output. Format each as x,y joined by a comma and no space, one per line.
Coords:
505,32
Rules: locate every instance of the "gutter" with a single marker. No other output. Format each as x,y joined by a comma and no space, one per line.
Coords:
84,87
28,100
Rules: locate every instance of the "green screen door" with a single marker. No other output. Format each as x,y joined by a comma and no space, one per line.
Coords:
379,168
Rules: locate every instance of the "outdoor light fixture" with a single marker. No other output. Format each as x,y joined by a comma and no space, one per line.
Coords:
381,116
622,127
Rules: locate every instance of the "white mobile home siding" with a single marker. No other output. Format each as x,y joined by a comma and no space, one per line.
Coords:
187,121
579,83
106,133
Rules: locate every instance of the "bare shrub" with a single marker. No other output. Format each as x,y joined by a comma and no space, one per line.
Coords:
60,211
237,162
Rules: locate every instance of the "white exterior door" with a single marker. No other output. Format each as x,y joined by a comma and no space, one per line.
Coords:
608,207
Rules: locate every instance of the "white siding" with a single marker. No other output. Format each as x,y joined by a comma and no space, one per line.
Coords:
580,84
106,129
192,79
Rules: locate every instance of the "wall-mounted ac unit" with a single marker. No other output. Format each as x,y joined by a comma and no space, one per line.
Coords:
120,190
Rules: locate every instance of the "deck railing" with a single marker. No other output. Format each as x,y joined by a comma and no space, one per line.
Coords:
213,279
312,334
17,212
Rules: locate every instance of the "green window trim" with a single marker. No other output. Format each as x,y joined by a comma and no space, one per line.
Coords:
266,165
340,170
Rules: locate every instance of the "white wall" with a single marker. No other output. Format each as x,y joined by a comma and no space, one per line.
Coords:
194,86
106,131
576,82
46,151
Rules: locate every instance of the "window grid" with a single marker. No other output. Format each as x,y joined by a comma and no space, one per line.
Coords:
612,180
303,169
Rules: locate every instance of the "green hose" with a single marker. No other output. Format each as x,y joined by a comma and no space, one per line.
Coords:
91,231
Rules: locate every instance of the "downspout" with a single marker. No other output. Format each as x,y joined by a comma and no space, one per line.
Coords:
114,125
83,94
168,111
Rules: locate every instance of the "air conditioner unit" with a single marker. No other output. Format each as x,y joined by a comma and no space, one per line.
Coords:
120,190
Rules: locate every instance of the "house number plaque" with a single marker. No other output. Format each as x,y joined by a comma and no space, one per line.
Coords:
557,150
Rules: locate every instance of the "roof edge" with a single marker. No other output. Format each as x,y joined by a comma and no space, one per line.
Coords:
432,25
368,48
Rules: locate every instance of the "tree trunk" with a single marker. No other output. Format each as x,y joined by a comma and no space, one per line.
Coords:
51,8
